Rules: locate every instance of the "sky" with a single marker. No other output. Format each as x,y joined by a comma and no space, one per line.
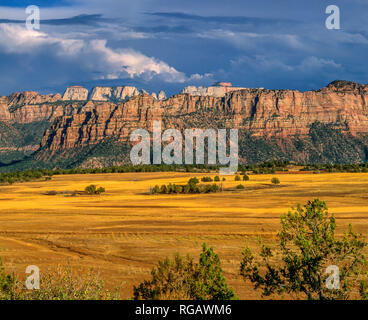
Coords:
169,44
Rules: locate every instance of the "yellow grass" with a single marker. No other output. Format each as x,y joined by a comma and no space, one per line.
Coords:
125,231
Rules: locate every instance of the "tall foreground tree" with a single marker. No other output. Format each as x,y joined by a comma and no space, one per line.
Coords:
308,253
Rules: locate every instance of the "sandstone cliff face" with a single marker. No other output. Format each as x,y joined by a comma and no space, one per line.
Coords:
119,93
19,99
75,93
123,93
4,109
214,91
162,95
277,114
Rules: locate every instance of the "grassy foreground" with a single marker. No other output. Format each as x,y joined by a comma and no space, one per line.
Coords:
124,232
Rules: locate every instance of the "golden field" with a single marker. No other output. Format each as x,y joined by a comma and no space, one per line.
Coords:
124,232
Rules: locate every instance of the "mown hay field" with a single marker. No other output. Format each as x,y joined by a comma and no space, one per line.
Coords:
125,231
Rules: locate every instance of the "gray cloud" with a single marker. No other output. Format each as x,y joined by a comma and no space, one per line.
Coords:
82,19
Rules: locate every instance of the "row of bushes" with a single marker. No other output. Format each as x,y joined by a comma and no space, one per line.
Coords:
185,189
352,168
193,186
25,176
265,168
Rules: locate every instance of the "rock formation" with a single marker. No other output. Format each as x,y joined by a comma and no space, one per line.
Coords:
161,95
76,93
219,89
271,115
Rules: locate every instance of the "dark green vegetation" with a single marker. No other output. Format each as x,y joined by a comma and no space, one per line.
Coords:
270,167
192,186
18,138
275,181
93,190
308,246
183,279
206,179
352,168
324,144
24,176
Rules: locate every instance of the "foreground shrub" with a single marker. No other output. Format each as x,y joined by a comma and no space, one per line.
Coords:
275,181
307,246
182,279
7,284
237,178
245,177
240,187
60,285
217,179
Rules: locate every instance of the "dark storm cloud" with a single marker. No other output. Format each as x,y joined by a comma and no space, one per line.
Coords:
82,19
220,19
165,29
263,43
43,3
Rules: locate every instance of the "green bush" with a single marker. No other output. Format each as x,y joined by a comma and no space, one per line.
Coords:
206,179
163,189
237,178
240,186
245,177
156,189
217,179
193,181
275,181
183,279
93,190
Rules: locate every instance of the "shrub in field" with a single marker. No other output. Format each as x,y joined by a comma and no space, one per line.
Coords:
183,279
193,181
245,177
240,186
163,189
217,179
60,285
237,178
51,193
210,188
308,248
206,179
275,181
93,190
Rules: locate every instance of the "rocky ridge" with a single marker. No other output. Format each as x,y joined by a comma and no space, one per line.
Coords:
112,94
282,116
